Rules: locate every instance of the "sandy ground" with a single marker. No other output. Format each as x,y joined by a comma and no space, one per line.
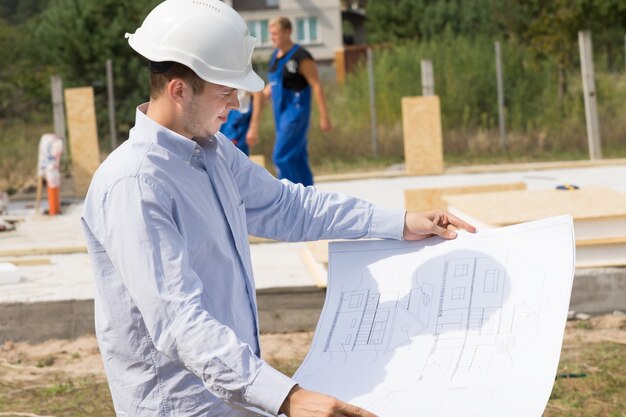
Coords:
26,363
35,364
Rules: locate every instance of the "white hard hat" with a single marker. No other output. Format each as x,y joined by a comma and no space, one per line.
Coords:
207,36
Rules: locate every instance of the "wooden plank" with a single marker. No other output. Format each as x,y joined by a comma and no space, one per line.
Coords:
317,269
594,228
615,240
319,250
43,251
511,207
19,261
425,199
256,239
340,66
601,255
83,136
258,159
423,142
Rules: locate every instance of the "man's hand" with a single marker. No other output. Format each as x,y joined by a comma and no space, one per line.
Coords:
304,403
419,226
325,125
267,92
252,136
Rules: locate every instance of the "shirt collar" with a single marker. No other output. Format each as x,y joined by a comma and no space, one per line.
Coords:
186,149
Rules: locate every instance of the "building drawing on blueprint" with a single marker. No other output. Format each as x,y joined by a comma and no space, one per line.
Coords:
464,313
365,323
474,330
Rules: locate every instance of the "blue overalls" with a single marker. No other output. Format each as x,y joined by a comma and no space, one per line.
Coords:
292,113
236,128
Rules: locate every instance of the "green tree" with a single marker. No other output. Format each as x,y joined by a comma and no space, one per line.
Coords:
19,11
393,20
427,19
80,35
551,29
23,85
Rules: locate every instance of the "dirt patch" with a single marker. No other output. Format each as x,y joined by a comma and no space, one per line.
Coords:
26,362
81,357
65,378
606,328
277,347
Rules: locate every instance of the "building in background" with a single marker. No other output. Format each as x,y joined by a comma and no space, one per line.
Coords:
353,19
322,26
316,24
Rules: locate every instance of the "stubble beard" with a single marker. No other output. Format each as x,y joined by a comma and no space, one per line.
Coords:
193,121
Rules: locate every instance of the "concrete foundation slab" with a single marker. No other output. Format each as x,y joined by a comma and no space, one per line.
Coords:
54,298
281,310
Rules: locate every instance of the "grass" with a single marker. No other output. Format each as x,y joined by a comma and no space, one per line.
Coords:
60,398
600,393
19,142
543,124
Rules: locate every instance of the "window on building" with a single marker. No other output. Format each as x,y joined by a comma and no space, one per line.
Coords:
356,300
258,29
492,280
460,270
306,30
458,293
253,5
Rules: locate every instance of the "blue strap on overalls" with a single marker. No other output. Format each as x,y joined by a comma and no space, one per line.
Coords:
236,128
292,113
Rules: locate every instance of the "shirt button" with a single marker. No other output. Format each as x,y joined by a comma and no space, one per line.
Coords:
196,151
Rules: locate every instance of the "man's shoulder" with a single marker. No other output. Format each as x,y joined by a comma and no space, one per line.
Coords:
127,161
122,160
302,54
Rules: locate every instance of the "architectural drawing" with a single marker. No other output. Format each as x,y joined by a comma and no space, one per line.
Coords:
364,323
445,328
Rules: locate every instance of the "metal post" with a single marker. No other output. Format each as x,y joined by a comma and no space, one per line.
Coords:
589,91
58,112
370,76
111,99
500,83
428,79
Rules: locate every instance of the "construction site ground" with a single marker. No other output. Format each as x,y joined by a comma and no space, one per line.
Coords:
65,378
49,362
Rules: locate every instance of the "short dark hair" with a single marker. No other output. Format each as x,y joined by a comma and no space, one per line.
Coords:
158,80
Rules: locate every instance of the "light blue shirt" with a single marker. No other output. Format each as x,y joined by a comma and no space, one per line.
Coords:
167,222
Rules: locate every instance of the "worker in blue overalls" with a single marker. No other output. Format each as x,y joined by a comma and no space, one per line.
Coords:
242,125
293,77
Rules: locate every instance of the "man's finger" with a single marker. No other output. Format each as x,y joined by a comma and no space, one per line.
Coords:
350,410
444,232
455,221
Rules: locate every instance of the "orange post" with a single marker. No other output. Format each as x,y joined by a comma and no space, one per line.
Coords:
50,150
54,202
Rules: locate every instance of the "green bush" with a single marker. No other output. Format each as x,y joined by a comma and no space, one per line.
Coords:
541,123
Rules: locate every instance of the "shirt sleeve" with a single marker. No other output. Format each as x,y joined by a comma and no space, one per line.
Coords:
281,210
301,54
140,235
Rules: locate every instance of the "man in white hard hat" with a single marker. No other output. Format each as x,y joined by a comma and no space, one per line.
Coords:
167,218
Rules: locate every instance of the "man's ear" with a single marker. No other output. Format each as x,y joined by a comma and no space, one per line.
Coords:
177,89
